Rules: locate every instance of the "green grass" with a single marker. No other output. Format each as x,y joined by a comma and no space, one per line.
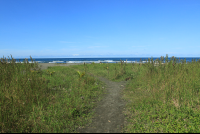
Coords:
35,101
163,98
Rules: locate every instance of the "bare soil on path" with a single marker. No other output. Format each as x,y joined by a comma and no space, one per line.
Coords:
109,116
109,113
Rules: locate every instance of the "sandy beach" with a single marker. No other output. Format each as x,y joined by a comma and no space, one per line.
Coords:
43,66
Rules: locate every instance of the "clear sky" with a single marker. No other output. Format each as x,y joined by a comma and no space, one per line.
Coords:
99,28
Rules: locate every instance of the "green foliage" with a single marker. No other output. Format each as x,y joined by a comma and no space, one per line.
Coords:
161,97
50,73
164,98
80,74
50,100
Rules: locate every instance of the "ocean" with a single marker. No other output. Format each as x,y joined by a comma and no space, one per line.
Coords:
100,60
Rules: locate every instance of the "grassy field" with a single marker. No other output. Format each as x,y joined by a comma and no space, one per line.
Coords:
162,98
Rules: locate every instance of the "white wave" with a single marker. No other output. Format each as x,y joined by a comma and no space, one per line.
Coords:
108,60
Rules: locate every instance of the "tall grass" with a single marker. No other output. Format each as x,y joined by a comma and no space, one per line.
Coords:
42,101
165,98
160,97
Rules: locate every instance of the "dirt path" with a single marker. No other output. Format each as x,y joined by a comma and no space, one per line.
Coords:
109,117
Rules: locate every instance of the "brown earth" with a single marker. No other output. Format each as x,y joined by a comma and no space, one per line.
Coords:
109,116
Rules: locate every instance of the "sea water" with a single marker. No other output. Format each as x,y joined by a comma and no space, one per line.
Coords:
101,60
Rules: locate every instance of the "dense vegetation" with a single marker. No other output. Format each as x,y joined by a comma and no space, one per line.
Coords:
162,98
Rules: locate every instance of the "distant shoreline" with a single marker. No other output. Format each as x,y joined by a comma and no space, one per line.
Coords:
44,66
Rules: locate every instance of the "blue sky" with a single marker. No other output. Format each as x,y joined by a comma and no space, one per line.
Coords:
99,28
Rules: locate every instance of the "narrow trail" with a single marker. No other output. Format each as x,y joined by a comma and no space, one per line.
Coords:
109,117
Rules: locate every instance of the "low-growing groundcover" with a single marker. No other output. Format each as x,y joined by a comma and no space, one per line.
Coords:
162,98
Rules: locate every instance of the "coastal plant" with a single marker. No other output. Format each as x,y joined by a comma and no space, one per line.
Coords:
162,98
50,73
115,72
80,74
35,106
85,67
108,70
124,69
169,96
